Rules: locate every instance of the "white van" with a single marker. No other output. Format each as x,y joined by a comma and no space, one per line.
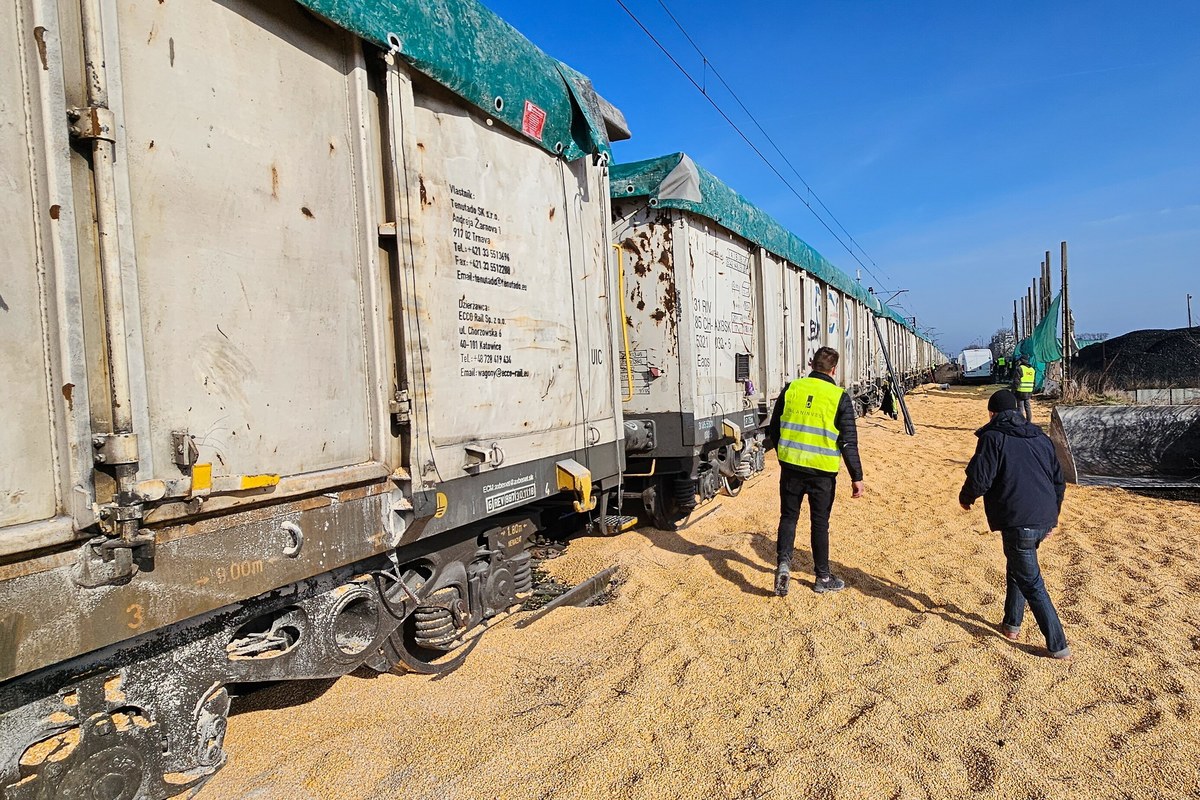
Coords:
976,365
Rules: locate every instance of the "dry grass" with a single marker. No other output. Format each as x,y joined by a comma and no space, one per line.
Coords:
695,683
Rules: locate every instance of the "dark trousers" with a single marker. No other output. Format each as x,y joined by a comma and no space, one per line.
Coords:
1025,584
1024,405
793,486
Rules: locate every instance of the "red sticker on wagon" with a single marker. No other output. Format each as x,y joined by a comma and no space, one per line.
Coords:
533,121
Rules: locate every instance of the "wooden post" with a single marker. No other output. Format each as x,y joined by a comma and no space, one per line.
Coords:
1041,290
1068,334
1016,330
1038,294
1049,284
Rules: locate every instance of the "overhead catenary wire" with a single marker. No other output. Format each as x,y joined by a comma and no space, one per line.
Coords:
708,65
770,165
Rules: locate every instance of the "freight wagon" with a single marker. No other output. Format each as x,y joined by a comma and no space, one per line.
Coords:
307,327
315,318
723,307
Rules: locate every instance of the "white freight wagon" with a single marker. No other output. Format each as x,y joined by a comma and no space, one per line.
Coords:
723,306
307,321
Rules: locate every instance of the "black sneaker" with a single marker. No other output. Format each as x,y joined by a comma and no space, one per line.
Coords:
782,573
828,584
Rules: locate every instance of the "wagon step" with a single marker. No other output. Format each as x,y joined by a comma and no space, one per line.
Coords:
617,523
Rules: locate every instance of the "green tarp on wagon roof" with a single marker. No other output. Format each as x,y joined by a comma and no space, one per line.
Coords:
675,181
468,49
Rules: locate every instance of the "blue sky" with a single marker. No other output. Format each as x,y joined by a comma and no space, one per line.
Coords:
955,141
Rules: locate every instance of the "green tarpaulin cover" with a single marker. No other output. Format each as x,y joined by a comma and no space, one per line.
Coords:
481,58
707,196
675,181
1042,346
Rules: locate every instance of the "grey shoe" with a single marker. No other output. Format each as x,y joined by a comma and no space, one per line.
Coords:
1061,655
830,583
782,573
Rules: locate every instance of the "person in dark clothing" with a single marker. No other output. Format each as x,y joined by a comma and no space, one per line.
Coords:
1016,472
812,427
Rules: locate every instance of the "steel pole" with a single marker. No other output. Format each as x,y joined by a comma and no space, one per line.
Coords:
897,389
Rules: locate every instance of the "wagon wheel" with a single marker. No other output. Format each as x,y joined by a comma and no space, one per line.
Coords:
670,507
669,518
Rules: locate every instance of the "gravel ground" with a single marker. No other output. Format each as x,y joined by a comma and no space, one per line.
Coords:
695,682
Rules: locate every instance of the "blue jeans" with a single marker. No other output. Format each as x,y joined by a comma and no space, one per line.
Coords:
1025,584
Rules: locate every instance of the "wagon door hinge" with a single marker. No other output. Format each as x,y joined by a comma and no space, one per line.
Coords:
93,122
109,559
401,406
114,449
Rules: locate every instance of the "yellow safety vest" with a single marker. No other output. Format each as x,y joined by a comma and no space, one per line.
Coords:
808,430
1025,380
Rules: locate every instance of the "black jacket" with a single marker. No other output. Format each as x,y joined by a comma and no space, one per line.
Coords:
847,440
1016,472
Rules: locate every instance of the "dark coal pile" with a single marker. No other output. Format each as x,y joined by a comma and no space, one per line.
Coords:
1149,359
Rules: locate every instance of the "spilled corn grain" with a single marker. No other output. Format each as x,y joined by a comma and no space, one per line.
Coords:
694,682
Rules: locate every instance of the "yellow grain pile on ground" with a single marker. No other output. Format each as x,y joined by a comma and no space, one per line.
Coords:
696,683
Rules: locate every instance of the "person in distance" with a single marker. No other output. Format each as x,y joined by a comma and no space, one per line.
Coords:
1016,472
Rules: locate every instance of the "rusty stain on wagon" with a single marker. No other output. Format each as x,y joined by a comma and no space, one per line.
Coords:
39,36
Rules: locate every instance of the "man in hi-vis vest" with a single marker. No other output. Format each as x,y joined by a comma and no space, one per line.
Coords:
812,430
1023,379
